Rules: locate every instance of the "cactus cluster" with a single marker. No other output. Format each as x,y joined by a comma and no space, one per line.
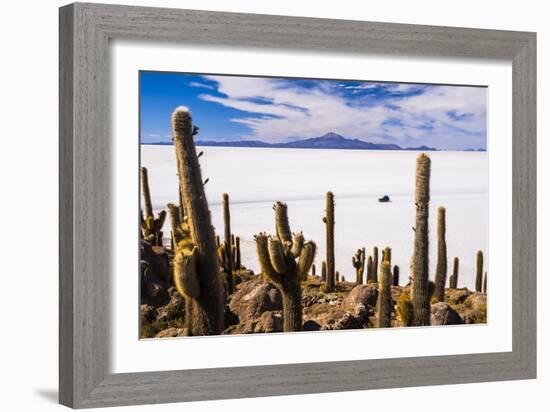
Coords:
285,260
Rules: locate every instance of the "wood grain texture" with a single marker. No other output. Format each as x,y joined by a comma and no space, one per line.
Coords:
85,31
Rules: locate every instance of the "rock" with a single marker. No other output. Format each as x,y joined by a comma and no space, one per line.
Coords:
171,333
254,298
365,295
173,310
311,326
476,301
267,322
458,296
444,314
147,313
356,319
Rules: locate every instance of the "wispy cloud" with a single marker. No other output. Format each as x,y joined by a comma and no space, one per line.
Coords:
277,110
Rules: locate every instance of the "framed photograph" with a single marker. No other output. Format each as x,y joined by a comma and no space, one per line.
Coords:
257,205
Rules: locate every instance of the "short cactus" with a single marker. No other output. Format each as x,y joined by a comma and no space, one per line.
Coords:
384,304
151,227
174,215
358,262
329,222
313,270
370,278
479,271
395,279
485,283
420,295
286,260
324,271
441,269
453,279
196,267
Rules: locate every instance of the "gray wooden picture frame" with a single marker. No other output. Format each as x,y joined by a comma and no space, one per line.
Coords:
85,32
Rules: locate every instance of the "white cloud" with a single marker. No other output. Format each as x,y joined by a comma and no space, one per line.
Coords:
280,110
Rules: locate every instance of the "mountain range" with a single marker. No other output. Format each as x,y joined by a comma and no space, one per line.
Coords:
327,141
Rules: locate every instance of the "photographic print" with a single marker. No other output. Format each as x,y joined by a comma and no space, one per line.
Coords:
298,205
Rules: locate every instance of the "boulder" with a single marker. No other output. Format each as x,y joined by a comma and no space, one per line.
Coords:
365,295
444,314
267,322
254,298
476,301
458,296
311,326
355,319
147,313
174,309
171,333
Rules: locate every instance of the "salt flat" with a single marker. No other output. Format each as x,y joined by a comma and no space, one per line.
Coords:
255,178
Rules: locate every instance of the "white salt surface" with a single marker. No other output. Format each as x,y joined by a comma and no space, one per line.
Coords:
255,178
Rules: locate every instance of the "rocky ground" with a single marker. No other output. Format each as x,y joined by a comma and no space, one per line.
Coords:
256,306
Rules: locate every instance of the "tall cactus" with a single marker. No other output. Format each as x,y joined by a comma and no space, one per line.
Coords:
313,269
441,269
384,303
386,255
329,222
485,283
479,271
151,227
395,279
375,264
358,262
227,251
453,279
196,267
286,260
420,295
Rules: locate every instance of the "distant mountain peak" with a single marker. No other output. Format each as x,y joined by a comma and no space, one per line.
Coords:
330,140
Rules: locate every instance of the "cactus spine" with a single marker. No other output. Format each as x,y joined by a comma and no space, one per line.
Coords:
329,222
384,303
395,279
441,270
358,262
151,227
227,243
479,272
420,295
286,260
196,267
453,279
375,264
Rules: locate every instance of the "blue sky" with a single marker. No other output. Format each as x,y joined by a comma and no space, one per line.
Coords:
281,109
